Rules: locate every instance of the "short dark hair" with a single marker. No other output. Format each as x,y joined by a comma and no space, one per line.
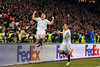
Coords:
66,23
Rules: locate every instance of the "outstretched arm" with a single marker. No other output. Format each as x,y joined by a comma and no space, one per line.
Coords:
52,21
33,16
60,32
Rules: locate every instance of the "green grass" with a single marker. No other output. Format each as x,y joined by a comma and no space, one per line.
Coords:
93,62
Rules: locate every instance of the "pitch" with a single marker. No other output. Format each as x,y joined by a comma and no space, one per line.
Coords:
92,62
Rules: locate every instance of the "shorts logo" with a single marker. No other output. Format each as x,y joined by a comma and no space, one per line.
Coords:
29,55
61,56
92,51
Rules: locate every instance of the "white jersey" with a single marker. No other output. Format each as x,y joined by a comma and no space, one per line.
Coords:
68,39
42,24
66,44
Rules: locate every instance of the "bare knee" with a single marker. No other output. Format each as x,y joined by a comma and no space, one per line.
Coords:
42,36
61,51
68,52
37,40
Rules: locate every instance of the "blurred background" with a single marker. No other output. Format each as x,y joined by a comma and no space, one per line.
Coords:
82,17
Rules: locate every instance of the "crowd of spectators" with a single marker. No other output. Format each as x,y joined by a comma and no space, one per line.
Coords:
17,25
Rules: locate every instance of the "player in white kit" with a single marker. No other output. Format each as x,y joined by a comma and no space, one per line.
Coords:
66,44
42,23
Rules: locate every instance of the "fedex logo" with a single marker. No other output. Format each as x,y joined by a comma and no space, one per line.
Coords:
59,55
92,51
29,55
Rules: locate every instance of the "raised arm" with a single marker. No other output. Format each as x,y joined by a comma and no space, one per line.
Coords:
52,21
33,16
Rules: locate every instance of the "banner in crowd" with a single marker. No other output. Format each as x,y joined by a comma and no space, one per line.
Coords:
22,54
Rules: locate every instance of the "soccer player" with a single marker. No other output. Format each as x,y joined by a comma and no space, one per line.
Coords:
66,44
42,23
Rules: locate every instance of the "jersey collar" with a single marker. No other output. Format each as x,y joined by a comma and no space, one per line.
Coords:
42,19
65,29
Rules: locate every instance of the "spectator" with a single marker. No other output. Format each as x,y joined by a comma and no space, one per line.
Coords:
90,37
54,37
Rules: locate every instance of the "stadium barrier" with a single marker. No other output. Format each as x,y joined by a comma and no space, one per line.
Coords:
24,54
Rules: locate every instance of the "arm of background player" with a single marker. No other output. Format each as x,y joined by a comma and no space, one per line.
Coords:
66,35
33,16
52,21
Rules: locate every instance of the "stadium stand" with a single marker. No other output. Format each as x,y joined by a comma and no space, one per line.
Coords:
16,24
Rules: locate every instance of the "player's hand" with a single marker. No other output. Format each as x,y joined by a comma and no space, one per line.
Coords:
65,36
35,12
52,18
58,32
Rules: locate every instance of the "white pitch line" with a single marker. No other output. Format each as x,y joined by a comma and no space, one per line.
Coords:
97,66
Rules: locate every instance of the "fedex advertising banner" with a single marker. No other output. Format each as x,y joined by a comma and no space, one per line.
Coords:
22,54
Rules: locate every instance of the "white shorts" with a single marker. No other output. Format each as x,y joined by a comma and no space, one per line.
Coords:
39,33
65,46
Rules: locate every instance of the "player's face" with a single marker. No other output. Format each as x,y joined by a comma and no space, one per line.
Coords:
43,16
65,26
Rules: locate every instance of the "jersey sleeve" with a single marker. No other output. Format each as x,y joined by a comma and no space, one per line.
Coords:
48,22
37,19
